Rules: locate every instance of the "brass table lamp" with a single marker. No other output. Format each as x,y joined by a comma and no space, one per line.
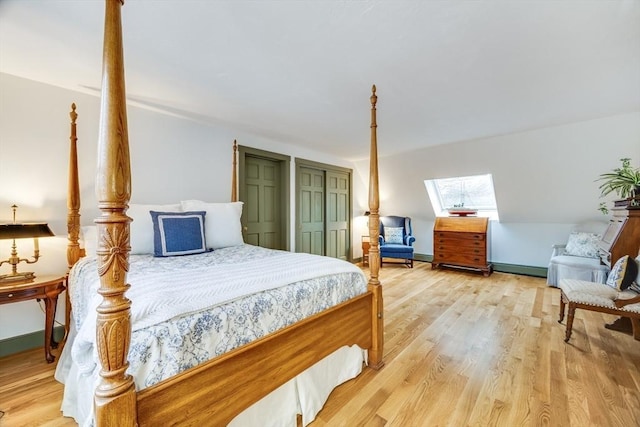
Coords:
20,231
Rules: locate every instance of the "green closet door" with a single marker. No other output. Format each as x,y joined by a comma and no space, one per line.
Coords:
311,215
262,208
337,224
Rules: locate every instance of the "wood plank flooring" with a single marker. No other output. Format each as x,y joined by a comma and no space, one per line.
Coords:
460,350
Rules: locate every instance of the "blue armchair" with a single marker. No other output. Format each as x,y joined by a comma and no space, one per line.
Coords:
396,240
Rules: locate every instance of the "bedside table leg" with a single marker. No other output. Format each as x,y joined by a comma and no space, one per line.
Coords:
50,313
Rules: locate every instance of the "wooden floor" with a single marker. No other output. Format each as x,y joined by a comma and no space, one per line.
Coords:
460,350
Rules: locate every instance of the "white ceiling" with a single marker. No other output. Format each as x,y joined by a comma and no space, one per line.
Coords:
301,71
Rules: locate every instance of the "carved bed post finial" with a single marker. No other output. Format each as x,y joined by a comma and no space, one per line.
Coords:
115,398
375,354
234,173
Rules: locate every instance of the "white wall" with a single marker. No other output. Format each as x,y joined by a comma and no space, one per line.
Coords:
543,178
172,159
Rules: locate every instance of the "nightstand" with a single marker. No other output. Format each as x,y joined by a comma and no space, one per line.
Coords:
46,288
365,250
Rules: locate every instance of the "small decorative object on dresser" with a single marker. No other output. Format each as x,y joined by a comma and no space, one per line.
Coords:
460,210
461,242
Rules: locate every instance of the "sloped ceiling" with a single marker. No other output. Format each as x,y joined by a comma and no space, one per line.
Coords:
301,71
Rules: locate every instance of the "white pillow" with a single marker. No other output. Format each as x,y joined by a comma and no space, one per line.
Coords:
89,239
394,235
583,244
142,226
222,226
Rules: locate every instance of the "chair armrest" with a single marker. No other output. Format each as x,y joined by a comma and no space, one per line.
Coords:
558,249
409,240
622,302
380,240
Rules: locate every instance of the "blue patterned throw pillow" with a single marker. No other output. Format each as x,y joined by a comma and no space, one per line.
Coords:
623,273
393,235
178,233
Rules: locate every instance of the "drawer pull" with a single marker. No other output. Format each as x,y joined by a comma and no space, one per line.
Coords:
10,295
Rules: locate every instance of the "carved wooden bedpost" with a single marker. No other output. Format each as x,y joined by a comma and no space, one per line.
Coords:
234,173
73,211
115,399
375,353
73,200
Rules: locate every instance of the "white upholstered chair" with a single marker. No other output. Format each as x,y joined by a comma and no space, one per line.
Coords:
578,258
620,295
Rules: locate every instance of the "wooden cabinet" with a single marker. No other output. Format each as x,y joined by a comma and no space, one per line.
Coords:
622,236
461,242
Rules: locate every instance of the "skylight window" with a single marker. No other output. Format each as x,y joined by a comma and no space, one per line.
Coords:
463,192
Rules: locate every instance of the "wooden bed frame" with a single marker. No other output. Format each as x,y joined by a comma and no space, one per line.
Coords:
214,392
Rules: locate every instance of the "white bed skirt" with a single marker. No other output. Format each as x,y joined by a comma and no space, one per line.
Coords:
305,394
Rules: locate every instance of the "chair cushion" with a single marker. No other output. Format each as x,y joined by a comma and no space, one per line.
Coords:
583,244
394,235
596,294
392,248
578,261
623,273
577,268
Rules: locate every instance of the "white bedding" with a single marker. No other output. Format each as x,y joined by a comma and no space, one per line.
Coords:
186,310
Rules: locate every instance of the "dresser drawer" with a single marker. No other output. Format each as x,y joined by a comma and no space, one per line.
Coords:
479,250
458,244
449,235
462,259
14,296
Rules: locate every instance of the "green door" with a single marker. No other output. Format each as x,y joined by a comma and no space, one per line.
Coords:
338,212
311,215
262,205
323,203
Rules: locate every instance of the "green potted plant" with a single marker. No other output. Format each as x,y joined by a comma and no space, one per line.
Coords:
624,181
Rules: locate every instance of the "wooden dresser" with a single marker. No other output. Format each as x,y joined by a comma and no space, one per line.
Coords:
461,242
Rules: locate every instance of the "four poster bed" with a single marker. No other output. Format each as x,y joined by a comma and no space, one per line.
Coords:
180,382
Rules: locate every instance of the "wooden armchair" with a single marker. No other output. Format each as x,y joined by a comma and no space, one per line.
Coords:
600,297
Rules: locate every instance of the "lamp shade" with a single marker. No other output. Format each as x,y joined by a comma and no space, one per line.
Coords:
25,230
